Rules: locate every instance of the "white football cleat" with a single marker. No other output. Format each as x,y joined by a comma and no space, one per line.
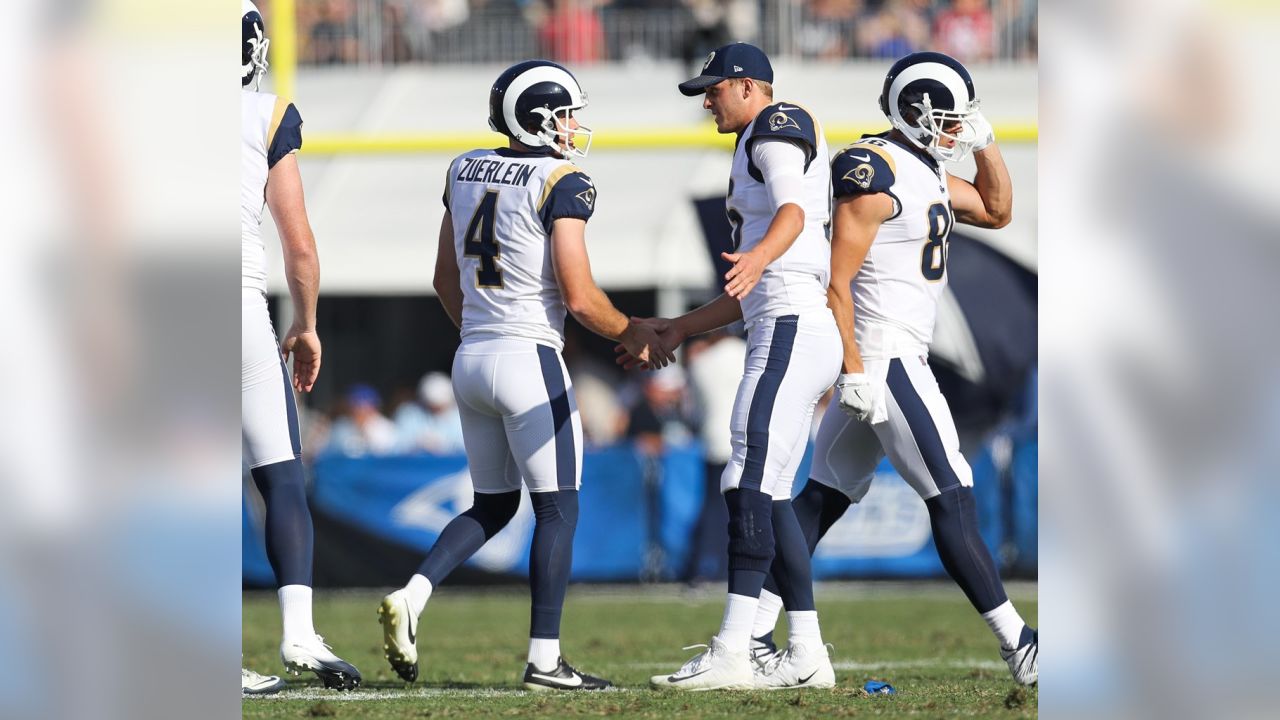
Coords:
799,666
399,634
251,683
715,669
317,657
1024,662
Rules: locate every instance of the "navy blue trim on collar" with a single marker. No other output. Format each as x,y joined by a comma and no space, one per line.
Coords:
539,152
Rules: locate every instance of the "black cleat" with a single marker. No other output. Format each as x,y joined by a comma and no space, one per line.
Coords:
564,677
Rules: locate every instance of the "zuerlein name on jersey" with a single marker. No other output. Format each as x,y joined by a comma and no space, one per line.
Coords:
494,171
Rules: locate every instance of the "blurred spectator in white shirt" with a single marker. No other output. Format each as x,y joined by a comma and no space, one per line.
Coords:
432,424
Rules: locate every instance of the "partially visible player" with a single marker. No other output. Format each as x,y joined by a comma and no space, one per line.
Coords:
895,206
512,258
271,132
779,206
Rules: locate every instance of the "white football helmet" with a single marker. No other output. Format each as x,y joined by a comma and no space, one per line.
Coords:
532,102
925,96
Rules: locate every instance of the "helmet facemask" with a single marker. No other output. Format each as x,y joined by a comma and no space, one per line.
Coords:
555,131
931,128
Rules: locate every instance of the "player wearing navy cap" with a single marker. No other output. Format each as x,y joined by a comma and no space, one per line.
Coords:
779,207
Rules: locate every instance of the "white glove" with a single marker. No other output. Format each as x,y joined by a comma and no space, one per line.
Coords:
983,134
855,395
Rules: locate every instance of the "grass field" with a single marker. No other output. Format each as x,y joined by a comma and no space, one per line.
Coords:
923,638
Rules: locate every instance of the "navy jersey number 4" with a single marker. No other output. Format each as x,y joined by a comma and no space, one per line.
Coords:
481,243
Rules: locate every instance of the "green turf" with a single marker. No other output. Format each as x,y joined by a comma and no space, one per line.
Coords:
924,639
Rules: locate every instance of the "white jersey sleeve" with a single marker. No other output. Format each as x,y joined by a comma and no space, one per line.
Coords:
896,291
781,163
503,204
270,128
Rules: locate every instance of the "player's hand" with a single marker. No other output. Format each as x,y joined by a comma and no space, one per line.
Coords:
641,341
304,345
669,338
745,273
854,393
983,133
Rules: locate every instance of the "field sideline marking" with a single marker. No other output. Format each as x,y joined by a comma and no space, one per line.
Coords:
379,694
961,664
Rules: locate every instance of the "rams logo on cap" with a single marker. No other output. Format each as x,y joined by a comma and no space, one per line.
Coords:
861,175
780,120
588,198
710,57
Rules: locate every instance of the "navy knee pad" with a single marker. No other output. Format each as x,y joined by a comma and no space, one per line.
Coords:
954,518
467,533
750,530
492,511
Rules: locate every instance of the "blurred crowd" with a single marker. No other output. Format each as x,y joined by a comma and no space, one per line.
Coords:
677,406
585,31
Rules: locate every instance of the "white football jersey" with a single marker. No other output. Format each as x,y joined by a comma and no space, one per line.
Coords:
797,281
895,293
270,128
503,204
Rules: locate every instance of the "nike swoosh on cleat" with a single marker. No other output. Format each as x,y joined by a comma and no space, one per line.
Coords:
815,672
413,636
562,682
688,677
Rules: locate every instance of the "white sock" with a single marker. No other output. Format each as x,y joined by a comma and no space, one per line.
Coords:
544,654
804,628
419,589
295,608
735,628
766,614
1006,623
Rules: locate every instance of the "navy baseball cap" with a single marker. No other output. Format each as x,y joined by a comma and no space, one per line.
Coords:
735,60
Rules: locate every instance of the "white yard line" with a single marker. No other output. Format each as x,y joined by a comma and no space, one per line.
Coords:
379,694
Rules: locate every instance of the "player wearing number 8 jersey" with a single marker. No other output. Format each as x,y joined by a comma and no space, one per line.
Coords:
895,205
511,259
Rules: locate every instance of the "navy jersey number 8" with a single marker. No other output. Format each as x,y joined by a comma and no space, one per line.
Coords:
933,258
480,242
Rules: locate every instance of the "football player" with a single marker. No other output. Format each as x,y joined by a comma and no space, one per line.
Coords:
512,258
778,205
895,206
271,132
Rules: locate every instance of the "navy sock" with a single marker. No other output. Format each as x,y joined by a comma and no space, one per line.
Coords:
791,566
816,508
964,554
751,544
288,521
467,533
551,559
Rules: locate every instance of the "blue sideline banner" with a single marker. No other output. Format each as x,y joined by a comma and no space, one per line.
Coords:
637,516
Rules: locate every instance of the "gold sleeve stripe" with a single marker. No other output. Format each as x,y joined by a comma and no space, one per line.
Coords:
555,177
277,115
888,159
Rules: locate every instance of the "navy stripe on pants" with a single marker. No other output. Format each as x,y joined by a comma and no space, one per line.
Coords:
922,427
295,438
761,412
561,416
